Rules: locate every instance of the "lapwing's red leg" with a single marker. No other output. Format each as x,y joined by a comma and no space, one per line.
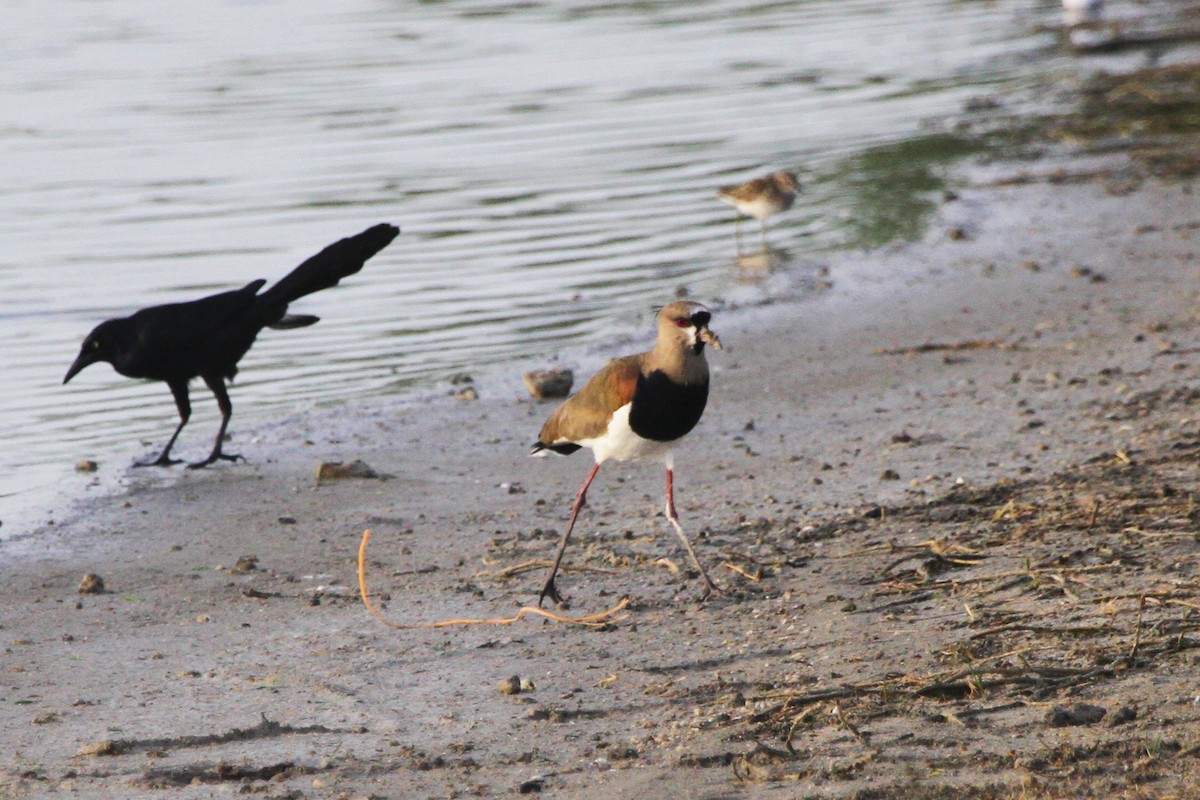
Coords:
673,518
549,589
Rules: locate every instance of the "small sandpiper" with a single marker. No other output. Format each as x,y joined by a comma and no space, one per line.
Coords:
762,197
1082,12
637,407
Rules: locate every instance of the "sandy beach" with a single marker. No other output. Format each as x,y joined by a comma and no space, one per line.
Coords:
958,541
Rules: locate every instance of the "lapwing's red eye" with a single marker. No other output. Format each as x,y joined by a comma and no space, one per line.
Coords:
683,322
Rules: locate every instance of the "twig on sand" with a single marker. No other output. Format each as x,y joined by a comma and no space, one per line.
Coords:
591,620
836,713
1027,573
1077,630
796,722
934,347
541,563
1137,635
957,683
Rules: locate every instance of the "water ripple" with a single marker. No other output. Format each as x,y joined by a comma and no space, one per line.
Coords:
552,166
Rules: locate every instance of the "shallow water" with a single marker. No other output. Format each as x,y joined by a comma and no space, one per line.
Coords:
552,166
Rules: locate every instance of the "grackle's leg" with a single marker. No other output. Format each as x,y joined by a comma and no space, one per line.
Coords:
217,385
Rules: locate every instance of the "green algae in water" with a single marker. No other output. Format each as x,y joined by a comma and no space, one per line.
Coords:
891,190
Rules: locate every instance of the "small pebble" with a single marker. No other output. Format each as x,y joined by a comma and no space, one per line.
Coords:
336,470
1124,714
531,786
104,748
91,584
1082,714
510,685
87,465
545,384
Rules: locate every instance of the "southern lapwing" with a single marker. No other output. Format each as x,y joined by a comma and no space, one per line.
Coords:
637,407
761,198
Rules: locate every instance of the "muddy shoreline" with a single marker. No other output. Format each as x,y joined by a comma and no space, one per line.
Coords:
959,539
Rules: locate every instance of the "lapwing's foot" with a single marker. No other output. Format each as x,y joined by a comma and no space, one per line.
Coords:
161,461
711,590
551,591
234,457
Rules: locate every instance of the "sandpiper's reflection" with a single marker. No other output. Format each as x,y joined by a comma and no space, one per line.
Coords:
1082,12
1085,25
754,267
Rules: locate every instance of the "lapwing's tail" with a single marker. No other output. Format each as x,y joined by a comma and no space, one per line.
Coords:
540,448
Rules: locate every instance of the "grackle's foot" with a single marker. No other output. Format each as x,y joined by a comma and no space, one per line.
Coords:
161,461
234,457
711,589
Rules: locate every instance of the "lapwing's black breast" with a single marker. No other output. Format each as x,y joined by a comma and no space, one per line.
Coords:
663,410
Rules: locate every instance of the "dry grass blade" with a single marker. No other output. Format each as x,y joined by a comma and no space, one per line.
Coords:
591,620
743,573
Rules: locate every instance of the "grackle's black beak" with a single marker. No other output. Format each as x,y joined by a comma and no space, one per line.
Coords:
84,359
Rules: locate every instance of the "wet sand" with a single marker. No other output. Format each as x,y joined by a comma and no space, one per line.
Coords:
952,509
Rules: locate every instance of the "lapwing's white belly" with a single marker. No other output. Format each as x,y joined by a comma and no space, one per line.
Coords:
619,442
